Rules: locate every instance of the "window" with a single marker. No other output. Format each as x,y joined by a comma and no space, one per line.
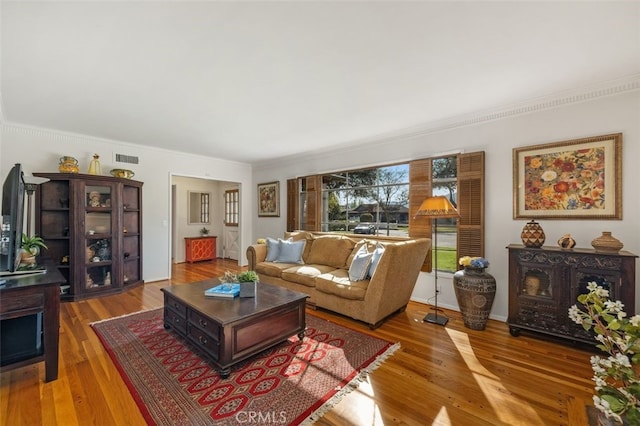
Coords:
444,175
231,207
384,201
368,201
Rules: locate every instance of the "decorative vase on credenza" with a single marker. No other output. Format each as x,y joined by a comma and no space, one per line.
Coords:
607,243
566,242
532,235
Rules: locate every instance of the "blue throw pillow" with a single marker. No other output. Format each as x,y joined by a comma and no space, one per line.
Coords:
360,265
273,248
290,251
377,254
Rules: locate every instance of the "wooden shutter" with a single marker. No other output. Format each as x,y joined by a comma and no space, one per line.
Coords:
314,202
292,204
471,204
419,189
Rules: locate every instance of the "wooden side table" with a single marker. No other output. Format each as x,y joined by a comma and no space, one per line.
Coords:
200,248
30,319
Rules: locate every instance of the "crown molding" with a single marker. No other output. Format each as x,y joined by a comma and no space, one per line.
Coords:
70,138
556,100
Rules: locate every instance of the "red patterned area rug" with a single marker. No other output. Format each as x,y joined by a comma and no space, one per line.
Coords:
295,382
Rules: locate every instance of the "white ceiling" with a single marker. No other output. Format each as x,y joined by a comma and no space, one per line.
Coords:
253,81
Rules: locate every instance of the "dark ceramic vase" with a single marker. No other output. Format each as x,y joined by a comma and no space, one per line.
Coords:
475,290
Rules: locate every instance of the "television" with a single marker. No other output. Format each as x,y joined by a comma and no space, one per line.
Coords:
12,218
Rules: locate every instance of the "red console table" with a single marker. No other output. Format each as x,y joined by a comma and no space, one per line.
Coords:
200,248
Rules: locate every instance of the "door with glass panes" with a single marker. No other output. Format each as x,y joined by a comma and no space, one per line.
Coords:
99,238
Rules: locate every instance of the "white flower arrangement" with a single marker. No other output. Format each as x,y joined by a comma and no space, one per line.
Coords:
616,379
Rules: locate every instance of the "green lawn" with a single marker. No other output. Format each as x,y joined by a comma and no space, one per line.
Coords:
447,259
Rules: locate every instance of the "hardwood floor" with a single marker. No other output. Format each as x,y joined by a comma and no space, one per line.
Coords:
440,376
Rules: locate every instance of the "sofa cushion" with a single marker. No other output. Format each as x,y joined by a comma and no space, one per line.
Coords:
330,250
305,274
272,269
290,251
337,282
359,268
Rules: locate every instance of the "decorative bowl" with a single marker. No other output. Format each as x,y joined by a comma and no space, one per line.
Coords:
122,173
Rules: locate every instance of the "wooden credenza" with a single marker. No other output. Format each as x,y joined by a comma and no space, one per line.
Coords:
200,248
563,275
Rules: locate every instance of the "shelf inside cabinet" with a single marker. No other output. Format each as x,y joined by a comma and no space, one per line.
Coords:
96,264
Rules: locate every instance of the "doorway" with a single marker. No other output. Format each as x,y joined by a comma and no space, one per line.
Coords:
215,222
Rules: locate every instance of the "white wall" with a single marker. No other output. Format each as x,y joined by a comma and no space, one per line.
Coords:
39,150
574,119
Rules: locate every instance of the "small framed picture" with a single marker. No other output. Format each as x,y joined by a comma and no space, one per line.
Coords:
269,199
576,179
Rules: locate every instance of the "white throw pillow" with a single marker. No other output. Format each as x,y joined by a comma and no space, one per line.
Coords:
360,265
377,254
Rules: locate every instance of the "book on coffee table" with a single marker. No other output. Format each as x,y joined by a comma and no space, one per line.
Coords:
225,291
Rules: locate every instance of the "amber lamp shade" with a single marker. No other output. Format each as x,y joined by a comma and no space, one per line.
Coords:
437,207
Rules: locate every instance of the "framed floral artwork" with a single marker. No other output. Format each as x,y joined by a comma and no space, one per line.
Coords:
576,179
269,199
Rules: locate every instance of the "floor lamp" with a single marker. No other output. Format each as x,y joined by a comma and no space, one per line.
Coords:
435,208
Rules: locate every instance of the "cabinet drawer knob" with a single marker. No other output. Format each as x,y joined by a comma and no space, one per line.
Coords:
202,340
202,323
176,320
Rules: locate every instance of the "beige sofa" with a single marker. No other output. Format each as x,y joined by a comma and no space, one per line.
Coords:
323,273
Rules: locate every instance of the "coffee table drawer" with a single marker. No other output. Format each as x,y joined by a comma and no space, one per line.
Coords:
205,324
172,319
209,345
180,308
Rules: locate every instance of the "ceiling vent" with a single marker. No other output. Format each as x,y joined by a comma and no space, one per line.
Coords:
122,158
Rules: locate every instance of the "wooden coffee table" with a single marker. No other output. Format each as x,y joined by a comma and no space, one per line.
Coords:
228,331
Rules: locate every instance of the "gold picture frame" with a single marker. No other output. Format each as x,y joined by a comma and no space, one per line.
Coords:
575,179
269,199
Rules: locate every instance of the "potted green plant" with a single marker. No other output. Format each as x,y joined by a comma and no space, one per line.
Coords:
204,231
248,277
617,382
248,281
31,247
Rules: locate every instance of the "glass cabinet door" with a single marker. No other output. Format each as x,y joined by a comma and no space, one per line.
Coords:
131,234
98,237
